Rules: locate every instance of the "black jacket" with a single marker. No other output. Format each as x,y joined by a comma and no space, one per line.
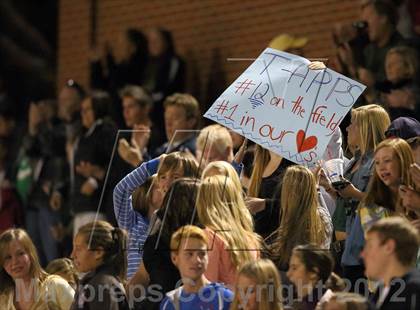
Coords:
268,220
95,146
404,293
100,290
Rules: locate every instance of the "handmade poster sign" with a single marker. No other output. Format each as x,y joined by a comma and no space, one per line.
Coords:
279,103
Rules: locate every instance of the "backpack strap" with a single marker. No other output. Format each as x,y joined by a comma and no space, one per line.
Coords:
220,300
174,297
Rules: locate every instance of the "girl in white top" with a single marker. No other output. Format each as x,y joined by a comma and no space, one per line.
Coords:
24,285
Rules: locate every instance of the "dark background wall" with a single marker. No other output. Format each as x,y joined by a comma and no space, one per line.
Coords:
28,41
206,32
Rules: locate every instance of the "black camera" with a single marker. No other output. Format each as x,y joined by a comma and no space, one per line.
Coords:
360,37
357,41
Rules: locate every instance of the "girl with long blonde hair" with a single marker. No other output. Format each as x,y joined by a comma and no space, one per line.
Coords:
23,282
393,158
365,132
266,176
228,223
303,218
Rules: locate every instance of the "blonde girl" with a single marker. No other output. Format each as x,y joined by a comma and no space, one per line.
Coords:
392,161
23,283
258,287
267,174
365,132
303,218
228,223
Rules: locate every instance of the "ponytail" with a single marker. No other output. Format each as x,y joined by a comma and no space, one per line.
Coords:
118,256
112,240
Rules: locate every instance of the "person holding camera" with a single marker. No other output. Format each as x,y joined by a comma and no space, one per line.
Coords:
380,19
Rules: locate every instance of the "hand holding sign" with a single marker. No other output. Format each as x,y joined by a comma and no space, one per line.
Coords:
286,106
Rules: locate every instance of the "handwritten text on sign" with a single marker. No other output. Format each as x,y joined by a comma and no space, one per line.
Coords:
279,103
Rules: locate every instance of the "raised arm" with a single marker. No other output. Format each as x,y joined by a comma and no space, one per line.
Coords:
123,209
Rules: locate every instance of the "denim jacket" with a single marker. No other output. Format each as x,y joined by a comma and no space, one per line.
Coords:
355,237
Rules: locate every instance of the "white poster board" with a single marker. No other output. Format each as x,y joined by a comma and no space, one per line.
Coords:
279,103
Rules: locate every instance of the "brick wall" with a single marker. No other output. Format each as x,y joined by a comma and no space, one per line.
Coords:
206,32
73,40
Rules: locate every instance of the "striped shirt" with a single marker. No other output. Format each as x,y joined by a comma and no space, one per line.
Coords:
127,218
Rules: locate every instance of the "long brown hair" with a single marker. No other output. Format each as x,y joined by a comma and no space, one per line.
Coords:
19,235
142,196
300,220
179,160
178,207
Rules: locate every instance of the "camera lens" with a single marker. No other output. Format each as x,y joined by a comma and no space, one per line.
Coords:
360,24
